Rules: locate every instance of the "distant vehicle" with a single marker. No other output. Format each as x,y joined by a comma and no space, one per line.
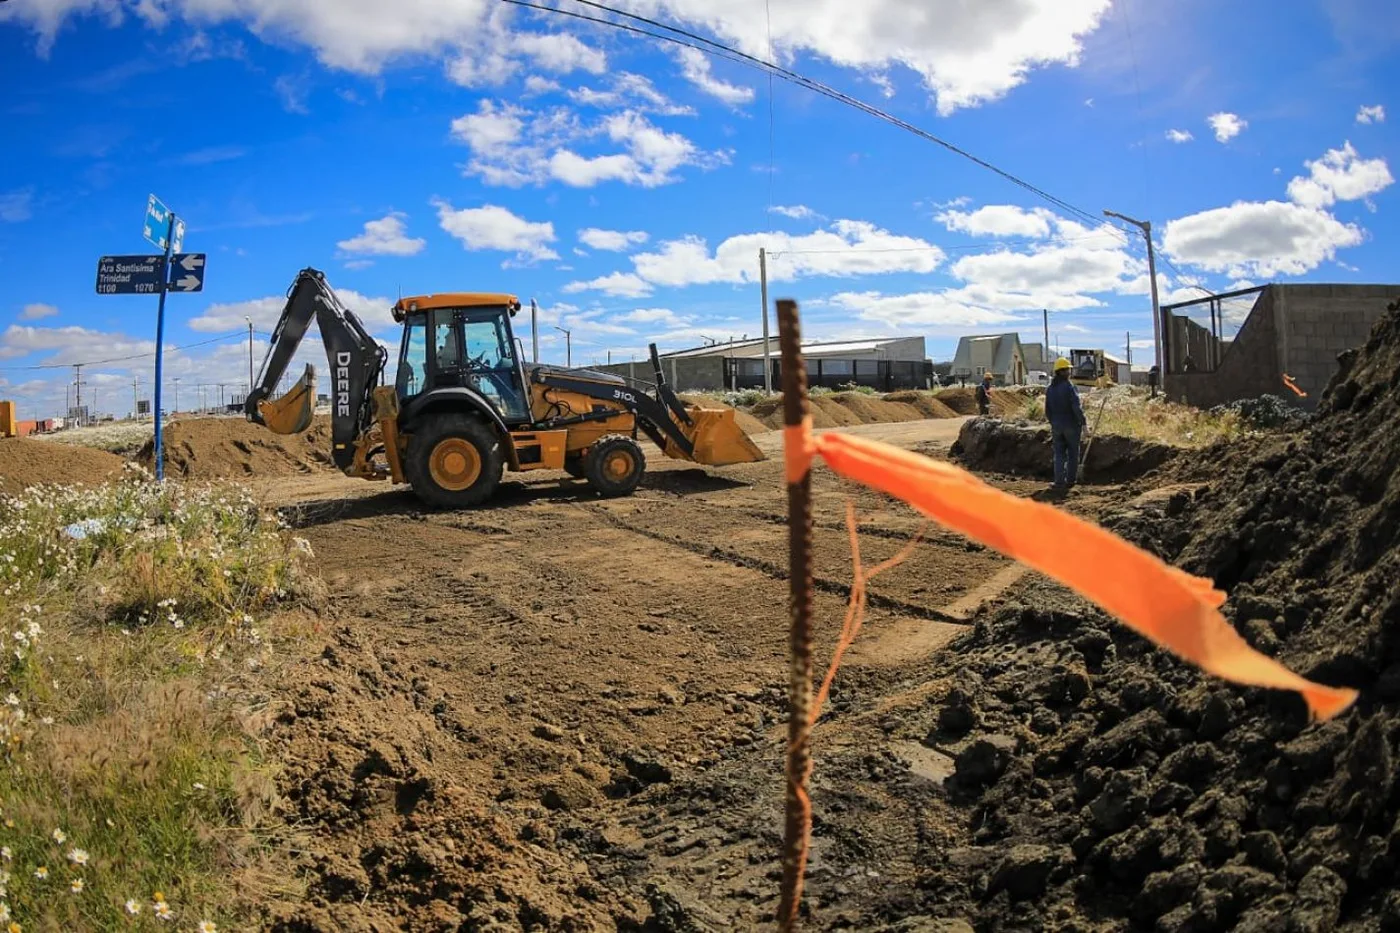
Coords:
1037,378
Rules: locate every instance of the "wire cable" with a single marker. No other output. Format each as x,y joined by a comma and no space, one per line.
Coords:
122,359
709,46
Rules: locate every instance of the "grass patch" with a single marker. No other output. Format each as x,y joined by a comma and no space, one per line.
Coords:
1130,412
136,619
120,437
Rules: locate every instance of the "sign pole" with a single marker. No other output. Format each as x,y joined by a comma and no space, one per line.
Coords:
160,354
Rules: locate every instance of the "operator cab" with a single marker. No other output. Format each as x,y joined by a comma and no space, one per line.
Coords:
463,340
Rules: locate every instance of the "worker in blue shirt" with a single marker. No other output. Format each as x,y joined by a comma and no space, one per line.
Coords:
1066,417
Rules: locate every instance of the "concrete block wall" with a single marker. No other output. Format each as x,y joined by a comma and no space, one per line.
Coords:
1293,329
1248,368
1319,322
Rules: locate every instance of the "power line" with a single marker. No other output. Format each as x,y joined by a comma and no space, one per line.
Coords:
710,46
120,359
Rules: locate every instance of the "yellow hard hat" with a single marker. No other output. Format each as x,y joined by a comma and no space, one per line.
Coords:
1062,363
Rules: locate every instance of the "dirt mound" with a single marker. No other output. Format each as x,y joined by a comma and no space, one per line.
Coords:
746,422
229,448
405,836
993,446
1109,786
25,462
843,409
1005,402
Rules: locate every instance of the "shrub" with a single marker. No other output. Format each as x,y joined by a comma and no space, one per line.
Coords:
131,612
856,387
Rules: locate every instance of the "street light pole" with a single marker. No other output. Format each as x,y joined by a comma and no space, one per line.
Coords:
568,346
1146,227
250,349
763,290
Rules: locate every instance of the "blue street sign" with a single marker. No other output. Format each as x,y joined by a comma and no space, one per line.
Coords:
187,272
177,241
130,275
157,224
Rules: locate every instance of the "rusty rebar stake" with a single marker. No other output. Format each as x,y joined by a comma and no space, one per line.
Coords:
796,408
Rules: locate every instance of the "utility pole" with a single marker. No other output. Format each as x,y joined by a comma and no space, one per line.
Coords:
535,330
136,397
177,394
1045,317
78,389
250,349
763,288
568,346
1128,347
1146,228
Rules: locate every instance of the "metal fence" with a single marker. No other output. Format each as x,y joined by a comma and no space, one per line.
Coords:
884,375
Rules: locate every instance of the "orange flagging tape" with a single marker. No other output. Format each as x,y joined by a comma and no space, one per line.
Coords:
1172,608
1288,381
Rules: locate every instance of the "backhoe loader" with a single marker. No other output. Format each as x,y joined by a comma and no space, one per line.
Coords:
464,405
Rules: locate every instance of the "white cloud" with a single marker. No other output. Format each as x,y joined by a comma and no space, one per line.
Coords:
492,129
293,90
34,312
62,346
695,67
1259,239
927,310
633,91
264,312
848,247
15,206
966,53
999,220
1226,125
1374,114
1179,136
613,240
795,211
515,146
620,284
662,316
384,237
1339,175
496,228
536,85
560,52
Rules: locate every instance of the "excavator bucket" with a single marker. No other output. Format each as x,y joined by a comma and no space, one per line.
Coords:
291,414
718,439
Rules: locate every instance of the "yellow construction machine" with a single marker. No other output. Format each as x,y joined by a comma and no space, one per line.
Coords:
464,405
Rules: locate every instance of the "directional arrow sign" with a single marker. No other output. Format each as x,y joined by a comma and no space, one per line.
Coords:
177,242
157,224
130,275
187,272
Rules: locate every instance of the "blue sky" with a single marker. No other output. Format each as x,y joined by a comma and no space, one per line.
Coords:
627,185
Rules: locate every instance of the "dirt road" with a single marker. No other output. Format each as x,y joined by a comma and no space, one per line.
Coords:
602,681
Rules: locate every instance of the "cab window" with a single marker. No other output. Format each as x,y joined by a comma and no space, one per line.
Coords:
413,360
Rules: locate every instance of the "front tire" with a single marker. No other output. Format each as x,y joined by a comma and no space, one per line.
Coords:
614,465
454,461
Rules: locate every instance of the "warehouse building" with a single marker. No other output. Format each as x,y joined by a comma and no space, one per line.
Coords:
882,363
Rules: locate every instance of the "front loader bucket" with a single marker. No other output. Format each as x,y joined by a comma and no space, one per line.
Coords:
292,413
719,440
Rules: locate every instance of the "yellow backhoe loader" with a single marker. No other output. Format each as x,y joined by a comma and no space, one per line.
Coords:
464,405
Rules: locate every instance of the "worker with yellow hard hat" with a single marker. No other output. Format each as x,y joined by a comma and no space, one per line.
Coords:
1066,417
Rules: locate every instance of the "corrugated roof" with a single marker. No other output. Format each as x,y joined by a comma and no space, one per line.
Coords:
808,346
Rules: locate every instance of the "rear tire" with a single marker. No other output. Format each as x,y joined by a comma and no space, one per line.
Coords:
454,461
614,465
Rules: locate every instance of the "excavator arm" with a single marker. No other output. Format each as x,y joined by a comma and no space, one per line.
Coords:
356,364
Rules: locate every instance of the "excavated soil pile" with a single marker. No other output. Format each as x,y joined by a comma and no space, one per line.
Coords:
229,448
374,761
1102,785
993,446
1005,402
25,462
843,409
746,422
